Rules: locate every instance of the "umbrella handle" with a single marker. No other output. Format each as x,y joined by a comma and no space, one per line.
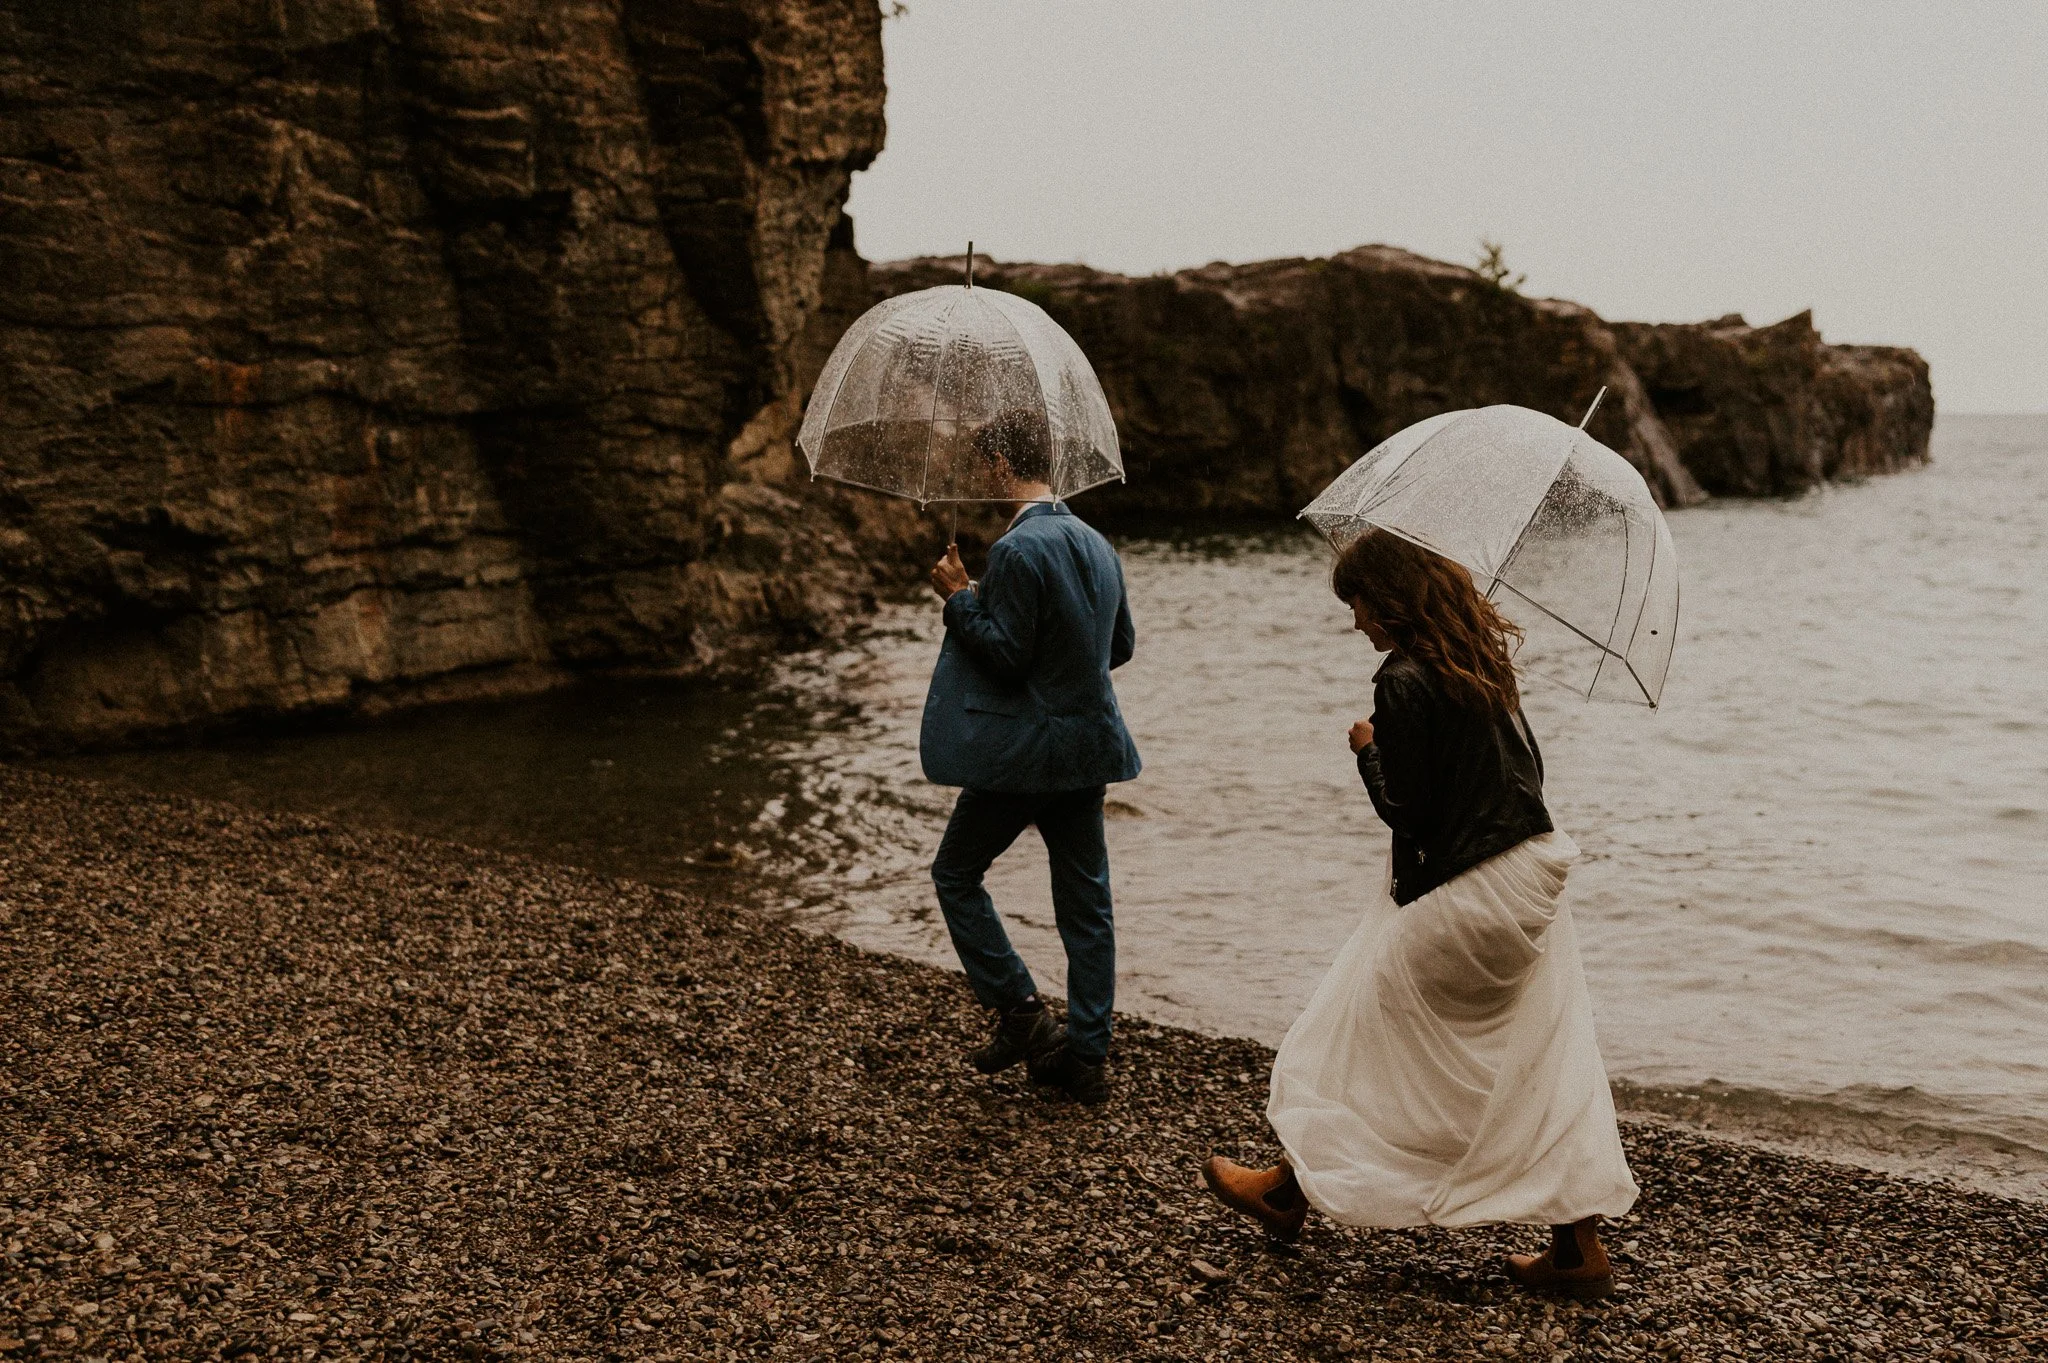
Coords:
953,530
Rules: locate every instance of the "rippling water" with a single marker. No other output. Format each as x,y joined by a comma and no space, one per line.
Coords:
1820,870
1814,901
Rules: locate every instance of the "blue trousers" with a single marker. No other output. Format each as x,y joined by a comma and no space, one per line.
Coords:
982,828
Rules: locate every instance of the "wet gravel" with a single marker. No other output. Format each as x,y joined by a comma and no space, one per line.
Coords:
274,1088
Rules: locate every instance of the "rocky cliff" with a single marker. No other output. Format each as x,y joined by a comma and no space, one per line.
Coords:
357,352
1243,389
1762,410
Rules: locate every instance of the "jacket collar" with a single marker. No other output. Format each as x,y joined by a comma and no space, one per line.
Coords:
1030,509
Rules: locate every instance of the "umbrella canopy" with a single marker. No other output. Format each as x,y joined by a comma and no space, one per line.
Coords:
1559,531
929,394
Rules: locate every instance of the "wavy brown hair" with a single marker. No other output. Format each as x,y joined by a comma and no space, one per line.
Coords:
1428,606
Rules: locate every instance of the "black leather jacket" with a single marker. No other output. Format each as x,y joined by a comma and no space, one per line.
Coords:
1456,785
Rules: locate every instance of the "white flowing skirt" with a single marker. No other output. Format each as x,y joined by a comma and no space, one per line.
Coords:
1445,1073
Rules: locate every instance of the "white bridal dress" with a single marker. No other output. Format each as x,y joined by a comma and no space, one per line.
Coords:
1445,1073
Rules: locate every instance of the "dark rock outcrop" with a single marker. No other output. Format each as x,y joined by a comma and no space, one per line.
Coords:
1243,389
1764,410
358,353
363,351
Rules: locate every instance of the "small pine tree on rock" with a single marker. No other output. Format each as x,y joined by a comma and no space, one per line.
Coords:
1493,267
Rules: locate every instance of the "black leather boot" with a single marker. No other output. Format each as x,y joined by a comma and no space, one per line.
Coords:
1021,1033
1078,1076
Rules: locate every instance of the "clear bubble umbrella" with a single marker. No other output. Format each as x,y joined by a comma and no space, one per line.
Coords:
929,394
1558,530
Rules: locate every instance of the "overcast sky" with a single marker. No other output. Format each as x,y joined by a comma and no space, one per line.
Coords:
1883,164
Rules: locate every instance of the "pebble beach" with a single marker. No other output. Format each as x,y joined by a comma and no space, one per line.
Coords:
275,1088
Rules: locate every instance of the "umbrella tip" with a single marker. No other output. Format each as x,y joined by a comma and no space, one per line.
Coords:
970,264
1594,408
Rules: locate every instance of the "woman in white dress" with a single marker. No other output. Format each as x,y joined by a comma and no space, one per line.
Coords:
1445,1071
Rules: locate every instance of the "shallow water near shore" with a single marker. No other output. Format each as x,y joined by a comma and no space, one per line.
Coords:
1814,898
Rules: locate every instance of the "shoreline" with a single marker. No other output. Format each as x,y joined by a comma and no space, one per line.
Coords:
1902,1132
275,1083
1835,1128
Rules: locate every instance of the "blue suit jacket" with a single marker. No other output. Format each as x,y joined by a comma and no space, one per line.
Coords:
1020,701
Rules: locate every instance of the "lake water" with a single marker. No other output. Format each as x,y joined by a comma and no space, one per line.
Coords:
1814,900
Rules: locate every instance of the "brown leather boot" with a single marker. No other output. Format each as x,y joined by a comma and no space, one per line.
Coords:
1269,1196
1593,1277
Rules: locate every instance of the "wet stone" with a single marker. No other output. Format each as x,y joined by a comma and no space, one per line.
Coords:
608,1121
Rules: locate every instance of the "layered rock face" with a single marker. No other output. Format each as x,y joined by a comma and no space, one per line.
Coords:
1243,389
357,353
363,351
1764,410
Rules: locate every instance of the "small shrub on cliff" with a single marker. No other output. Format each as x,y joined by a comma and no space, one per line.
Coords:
1493,267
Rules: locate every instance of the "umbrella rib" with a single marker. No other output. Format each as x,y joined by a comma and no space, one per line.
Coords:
941,501
839,386
1052,461
1404,460
1636,627
885,491
1677,602
1639,625
924,479
1044,409
1555,616
1537,510
1380,486
1405,537
1649,699
1620,599
1083,373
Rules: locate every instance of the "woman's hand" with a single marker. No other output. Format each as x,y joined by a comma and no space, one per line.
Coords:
1361,734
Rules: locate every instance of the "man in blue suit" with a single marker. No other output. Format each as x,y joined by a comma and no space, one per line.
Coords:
1022,715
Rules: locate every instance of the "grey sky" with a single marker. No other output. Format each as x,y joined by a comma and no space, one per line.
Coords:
1884,164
